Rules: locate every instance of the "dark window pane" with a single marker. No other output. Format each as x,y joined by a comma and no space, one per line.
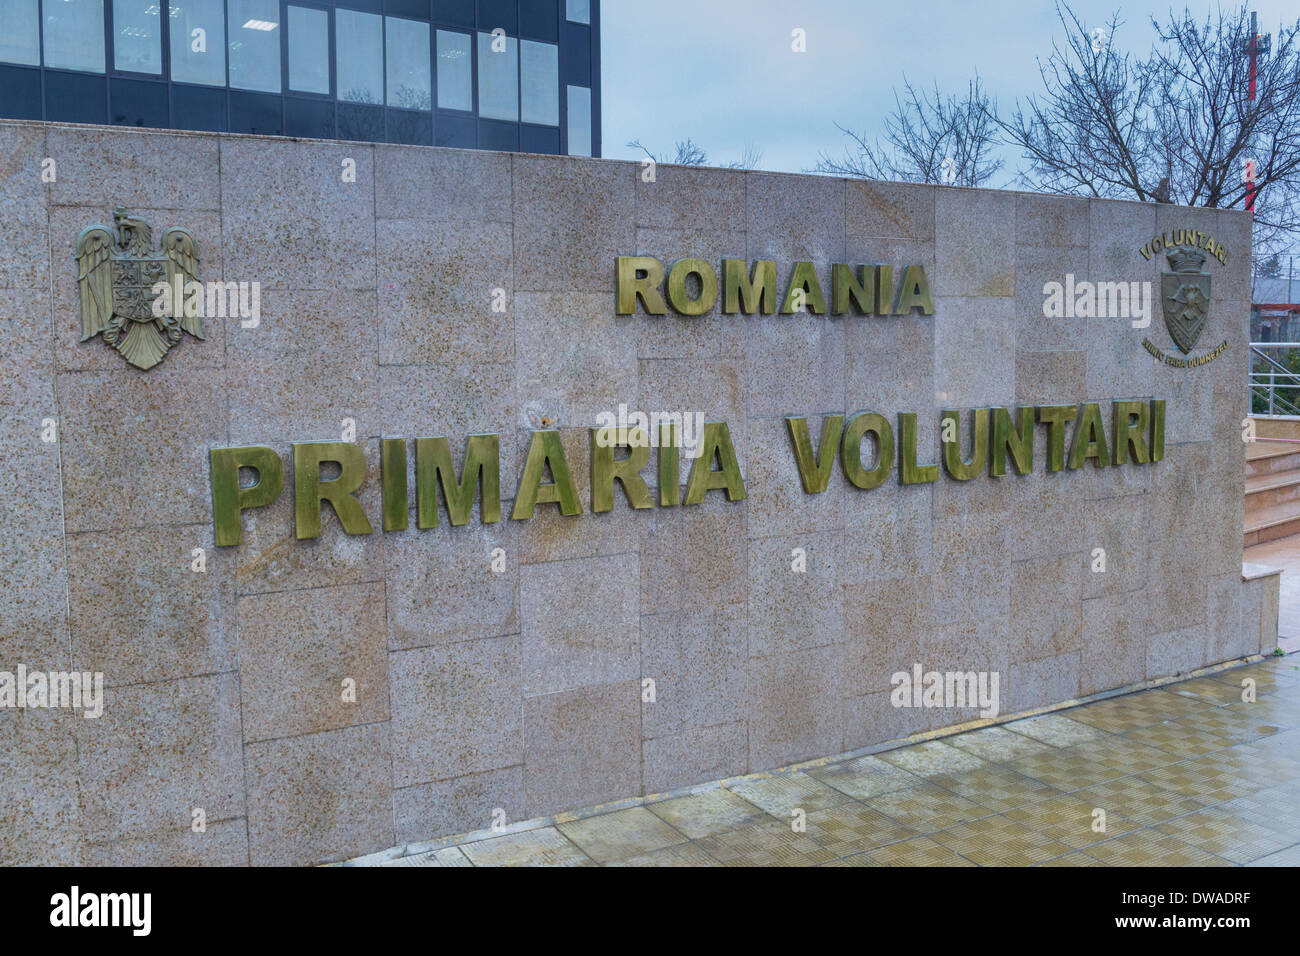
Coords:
20,92
359,55
198,107
370,6
539,139
493,135
498,76
412,128
198,41
538,20
139,103
579,11
137,37
498,13
255,113
20,31
254,44
406,51
579,109
309,50
539,82
74,35
408,8
76,98
452,130
459,12
455,78
310,118
577,54
365,123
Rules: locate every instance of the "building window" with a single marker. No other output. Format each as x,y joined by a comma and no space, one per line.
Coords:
74,35
498,77
198,41
579,121
539,75
455,78
359,55
254,45
309,50
137,37
407,45
579,11
20,22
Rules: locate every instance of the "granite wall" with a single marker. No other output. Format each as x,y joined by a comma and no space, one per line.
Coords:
522,689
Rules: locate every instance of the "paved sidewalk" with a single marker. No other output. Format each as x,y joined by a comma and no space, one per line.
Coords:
1187,775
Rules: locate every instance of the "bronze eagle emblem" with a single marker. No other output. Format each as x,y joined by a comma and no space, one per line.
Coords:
116,280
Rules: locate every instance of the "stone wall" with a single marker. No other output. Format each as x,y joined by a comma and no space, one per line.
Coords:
522,689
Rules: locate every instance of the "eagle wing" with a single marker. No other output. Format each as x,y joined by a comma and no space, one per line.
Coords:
95,279
182,260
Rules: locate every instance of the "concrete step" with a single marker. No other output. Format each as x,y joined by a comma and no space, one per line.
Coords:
1271,523
1268,458
1278,488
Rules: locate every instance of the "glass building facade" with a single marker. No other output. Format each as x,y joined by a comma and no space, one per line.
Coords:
490,74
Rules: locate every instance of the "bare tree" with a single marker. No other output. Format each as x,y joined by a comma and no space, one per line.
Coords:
1176,125
689,153
928,138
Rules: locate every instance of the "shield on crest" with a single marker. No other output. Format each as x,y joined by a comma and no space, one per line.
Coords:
1185,296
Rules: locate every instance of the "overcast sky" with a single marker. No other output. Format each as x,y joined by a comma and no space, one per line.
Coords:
722,72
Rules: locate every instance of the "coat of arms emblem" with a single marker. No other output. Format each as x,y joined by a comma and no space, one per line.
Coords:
116,278
1185,294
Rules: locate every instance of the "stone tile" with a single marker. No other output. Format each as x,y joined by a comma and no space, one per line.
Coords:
864,777
580,747
573,363
792,610
1177,652
794,707
544,847
1113,651
286,212
1055,729
871,719
572,217
1224,619
1116,231
458,805
289,378
38,752
1036,266
887,624
270,557
698,664
296,651
222,843
981,268
875,208
125,423
440,586
683,197
1108,524
1051,378
794,217
975,352
971,570
695,755
141,612
26,265
580,623
997,744
1047,614
482,731
319,797
712,389
448,856
158,752
782,794
682,854
1038,683
794,364
691,558
1043,220
710,811
624,833
441,185
441,292
931,758
34,614
112,167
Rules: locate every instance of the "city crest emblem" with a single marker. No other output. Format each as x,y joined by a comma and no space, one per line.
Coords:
116,279
1185,295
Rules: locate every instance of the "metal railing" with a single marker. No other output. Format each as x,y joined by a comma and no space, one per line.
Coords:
1268,376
